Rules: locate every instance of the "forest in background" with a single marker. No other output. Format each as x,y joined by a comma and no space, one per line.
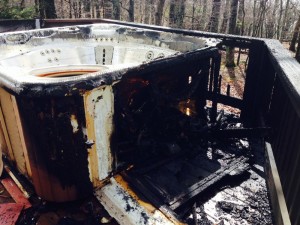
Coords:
279,19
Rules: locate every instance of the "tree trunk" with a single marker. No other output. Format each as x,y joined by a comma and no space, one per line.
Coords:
274,15
233,17
153,10
203,16
193,14
279,20
232,30
50,11
41,9
298,51
172,18
159,12
241,18
131,11
225,17
295,36
98,9
22,4
149,12
284,27
87,5
62,9
241,24
254,18
262,16
258,28
116,9
78,9
47,9
70,9
213,25
181,13
107,9
177,11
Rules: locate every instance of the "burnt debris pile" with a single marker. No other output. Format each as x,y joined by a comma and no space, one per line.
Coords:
175,149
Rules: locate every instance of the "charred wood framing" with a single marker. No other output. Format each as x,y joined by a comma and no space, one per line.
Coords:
64,152
254,76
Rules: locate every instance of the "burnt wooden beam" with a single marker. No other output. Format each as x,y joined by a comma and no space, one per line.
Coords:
217,65
226,100
253,84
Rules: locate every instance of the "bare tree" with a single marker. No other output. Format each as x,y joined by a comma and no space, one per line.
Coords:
203,15
159,12
241,18
148,11
176,15
193,14
297,56
295,36
225,17
232,30
213,24
283,27
47,9
241,24
107,9
116,9
131,11
258,25
279,20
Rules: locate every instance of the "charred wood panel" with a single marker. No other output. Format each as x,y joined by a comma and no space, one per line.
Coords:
57,149
226,100
254,74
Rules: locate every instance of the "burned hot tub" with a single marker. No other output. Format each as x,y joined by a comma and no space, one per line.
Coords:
60,89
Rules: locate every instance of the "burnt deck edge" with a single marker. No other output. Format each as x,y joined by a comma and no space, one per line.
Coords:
279,207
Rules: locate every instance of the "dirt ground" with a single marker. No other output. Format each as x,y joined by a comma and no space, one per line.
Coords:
233,78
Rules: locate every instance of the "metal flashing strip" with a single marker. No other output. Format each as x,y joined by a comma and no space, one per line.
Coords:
281,214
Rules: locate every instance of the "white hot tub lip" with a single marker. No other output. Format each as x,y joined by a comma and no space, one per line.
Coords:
24,79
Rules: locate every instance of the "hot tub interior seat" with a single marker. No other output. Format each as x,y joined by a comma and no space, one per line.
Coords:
86,58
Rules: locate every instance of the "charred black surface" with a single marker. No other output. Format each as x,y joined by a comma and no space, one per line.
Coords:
151,110
81,212
57,136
